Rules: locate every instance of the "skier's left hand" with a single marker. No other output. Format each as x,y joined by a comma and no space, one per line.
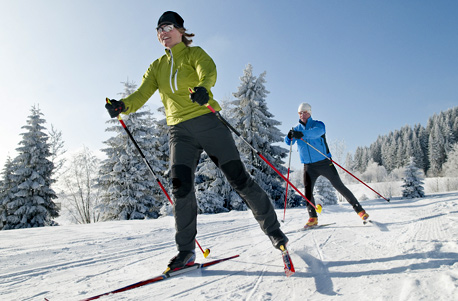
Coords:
200,96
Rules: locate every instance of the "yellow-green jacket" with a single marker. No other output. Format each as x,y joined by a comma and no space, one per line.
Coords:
172,74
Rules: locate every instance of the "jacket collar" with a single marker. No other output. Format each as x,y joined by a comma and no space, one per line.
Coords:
308,122
175,49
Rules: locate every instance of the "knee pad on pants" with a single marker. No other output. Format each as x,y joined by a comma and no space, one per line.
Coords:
181,180
236,174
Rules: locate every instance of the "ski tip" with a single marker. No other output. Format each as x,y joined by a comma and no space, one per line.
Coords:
289,273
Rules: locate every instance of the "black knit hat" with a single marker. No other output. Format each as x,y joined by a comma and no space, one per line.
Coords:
171,17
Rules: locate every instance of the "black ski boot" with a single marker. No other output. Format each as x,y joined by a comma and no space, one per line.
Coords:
183,259
278,238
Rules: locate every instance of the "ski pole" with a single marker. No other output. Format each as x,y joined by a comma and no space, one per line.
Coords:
318,207
388,200
207,251
286,190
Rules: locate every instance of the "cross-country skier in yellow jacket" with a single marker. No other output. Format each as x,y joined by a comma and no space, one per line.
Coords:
193,129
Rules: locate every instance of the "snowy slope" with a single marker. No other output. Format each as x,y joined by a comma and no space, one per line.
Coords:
411,255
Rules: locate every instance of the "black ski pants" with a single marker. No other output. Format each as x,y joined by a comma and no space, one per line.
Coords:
326,169
187,141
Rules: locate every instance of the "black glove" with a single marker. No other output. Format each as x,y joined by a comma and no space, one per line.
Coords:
200,96
295,134
115,107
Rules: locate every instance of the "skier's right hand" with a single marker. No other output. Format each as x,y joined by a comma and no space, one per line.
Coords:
115,107
295,134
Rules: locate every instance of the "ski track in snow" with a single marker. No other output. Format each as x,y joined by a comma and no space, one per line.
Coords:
408,253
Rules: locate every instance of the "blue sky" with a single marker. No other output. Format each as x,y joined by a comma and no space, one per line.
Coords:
366,67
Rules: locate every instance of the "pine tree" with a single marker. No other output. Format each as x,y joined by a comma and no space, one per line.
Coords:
422,150
6,184
413,181
256,124
358,160
388,153
325,192
454,121
29,200
350,165
436,150
450,168
429,146
130,190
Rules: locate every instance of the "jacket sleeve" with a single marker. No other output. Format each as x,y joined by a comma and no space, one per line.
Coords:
205,68
288,141
149,85
315,131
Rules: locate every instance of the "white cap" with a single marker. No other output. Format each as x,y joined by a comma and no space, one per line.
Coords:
305,107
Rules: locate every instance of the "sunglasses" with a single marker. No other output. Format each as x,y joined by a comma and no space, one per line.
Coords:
165,28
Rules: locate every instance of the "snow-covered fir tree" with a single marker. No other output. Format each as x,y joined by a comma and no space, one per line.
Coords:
29,199
437,153
324,192
256,124
350,165
131,192
450,167
429,146
6,183
413,181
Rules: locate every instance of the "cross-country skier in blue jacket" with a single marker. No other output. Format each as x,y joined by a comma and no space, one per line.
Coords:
310,134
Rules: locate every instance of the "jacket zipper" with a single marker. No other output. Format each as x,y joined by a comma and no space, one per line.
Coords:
171,73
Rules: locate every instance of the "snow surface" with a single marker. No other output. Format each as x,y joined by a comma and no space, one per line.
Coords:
411,255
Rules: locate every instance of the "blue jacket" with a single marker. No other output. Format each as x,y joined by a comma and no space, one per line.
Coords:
314,133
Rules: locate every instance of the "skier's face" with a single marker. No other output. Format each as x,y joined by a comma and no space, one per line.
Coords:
304,115
168,36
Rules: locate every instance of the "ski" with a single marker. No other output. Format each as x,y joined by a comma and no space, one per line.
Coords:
163,276
316,227
310,228
289,267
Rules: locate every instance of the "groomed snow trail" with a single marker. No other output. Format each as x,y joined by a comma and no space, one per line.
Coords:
410,252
